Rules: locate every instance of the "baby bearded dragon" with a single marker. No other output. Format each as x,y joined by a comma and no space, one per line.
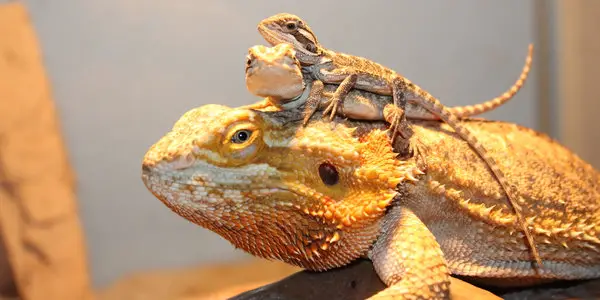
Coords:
275,73
358,72
324,195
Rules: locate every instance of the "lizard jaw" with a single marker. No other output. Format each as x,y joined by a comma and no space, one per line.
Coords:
275,37
201,182
207,197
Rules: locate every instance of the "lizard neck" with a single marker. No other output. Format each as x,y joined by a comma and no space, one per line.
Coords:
310,59
298,100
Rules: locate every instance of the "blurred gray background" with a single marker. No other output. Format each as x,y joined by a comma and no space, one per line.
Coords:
122,72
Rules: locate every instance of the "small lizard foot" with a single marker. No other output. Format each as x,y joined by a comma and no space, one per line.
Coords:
405,149
398,123
309,111
332,108
394,128
398,127
339,95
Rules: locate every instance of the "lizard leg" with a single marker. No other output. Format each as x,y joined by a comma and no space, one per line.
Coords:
393,115
408,259
340,94
396,117
314,100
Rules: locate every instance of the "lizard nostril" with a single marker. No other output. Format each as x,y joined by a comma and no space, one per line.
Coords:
329,174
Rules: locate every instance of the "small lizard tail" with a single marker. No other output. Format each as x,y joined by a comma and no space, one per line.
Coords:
471,110
476,109
434,106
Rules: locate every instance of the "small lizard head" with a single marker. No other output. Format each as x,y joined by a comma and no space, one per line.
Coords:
274,72
311,196
289,28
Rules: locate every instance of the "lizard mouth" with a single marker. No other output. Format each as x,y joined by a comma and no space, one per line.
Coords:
187,186
271,37
187,181
275,37
201,190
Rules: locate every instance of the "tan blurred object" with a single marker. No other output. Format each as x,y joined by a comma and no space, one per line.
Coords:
39,221
205,282
7,283
579,69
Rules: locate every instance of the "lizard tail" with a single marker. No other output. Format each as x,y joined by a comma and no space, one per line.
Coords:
434,106
476,109
471,110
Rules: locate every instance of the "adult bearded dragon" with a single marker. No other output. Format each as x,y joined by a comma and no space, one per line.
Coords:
322,195
357,72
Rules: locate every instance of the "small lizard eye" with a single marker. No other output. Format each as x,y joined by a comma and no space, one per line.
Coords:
241,136
291,25
329,174
311,47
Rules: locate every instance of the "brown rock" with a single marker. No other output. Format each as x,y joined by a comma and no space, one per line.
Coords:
39,222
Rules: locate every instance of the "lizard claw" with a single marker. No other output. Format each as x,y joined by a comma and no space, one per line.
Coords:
394,127
398,127
332,108
309,110
339,95
395,116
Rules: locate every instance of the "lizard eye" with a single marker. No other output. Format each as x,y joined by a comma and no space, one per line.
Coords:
241,136
329,174
311,47
291,25
242,140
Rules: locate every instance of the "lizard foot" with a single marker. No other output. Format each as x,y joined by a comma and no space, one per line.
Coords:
339,95
405,149
332,108
398,124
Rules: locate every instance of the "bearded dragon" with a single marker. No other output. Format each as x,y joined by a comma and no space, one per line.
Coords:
357,72
322,195
276,73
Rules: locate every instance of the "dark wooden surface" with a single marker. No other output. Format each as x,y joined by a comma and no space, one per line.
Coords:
356,281
359,281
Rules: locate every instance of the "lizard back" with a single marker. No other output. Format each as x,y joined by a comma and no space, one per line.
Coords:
466,210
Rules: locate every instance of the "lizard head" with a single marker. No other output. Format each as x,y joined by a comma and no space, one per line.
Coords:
274,72
311,196
288,28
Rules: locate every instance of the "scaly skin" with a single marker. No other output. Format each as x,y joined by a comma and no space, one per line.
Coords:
357,72
322,195
276,73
